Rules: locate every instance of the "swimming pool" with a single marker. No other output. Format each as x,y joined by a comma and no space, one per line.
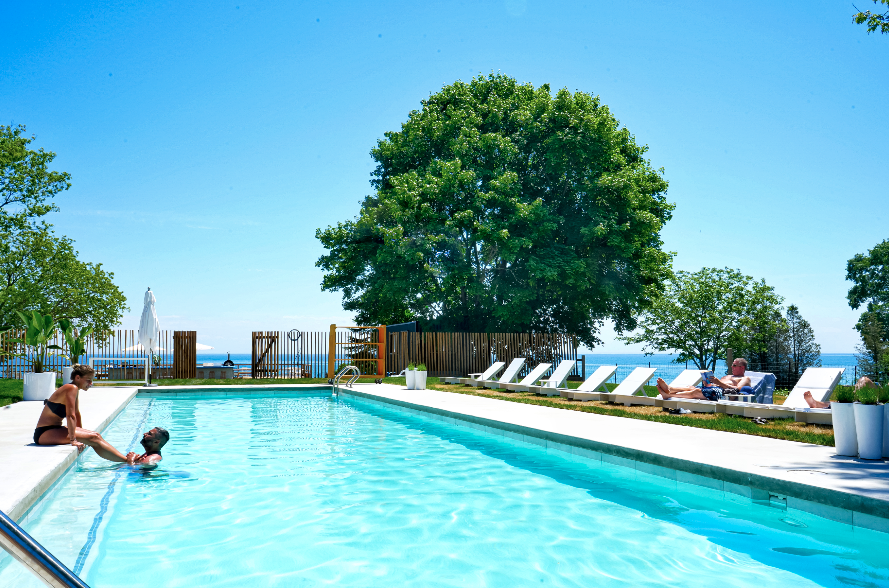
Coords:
306,490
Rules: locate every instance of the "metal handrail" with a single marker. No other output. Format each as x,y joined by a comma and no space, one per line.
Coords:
356,373
35,557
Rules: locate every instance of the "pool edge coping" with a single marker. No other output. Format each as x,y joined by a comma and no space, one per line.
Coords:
855,510
22,508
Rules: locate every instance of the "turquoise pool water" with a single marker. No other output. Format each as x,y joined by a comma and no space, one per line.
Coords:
308,490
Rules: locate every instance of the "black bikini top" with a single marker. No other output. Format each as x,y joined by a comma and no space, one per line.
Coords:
56,407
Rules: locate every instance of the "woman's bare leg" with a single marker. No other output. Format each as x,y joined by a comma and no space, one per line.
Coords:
87,437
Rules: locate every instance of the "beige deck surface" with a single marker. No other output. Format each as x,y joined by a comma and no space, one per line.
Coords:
28,470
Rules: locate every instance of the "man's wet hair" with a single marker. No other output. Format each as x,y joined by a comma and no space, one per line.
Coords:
163,436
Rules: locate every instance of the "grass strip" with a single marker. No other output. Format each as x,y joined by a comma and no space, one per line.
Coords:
10,391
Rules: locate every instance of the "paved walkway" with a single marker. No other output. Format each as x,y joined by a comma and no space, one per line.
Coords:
806,477
28,470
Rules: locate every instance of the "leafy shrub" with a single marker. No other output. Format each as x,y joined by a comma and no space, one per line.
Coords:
411,366
845,394
883,394
421,367
868,395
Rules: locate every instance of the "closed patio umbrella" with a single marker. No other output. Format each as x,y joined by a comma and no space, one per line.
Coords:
149,330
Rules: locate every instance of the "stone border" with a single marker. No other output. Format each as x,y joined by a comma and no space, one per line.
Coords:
21,509
842,507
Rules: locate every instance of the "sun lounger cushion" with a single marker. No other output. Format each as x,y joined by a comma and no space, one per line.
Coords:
763,384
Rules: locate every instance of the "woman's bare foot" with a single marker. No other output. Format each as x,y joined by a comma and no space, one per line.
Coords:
814,403
663,388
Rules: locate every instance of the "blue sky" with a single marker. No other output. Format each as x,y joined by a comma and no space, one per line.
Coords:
207,141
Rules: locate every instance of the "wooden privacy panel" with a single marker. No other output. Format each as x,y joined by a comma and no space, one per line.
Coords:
458,354
184,354
265,361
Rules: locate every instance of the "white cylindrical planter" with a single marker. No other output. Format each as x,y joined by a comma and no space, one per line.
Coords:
844,435
39,386
420,380
411,377
66,374
869,428
886,430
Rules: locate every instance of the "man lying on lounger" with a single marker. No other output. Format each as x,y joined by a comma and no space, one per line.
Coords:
863,382
736,382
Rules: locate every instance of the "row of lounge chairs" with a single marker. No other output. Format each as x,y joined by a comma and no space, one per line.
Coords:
820,381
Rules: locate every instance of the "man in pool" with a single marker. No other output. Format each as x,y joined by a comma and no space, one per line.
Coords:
152,441
735,382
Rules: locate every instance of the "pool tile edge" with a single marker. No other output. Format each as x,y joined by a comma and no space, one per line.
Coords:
855,510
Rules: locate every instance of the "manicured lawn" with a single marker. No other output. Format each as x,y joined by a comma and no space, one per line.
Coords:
775,428
10,391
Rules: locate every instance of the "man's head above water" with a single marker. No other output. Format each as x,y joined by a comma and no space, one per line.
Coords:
154,439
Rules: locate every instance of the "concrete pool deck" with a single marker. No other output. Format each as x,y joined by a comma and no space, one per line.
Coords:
29,470
787,474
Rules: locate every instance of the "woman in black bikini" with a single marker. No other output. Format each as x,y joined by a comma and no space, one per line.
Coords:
64,404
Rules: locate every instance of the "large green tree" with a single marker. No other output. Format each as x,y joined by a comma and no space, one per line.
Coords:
704,312
27,185
869,274
502,207
875,21
39,270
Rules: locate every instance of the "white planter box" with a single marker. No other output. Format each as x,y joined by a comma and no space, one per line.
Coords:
39,386
420,381
869,428
66,374
411,377
845,437
886,430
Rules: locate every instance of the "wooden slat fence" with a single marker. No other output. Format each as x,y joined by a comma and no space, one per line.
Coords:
458,354
120,343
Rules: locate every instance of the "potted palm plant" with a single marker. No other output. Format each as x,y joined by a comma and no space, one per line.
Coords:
39,329
410,375
842,409
76,345
420,377
869,424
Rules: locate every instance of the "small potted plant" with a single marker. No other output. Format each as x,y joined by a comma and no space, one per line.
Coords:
410,376
76,345
420,377
869,423
39,329
843,414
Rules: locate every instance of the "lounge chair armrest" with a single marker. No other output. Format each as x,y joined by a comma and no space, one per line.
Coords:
474,376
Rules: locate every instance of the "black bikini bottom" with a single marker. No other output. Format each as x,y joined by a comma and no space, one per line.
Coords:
41,430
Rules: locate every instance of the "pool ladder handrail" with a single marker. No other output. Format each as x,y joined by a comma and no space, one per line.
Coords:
356,373
35,557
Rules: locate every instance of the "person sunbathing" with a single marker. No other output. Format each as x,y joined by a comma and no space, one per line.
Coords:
863,382
735,382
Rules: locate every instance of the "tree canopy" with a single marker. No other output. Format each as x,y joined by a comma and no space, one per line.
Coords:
502,207
874,20
869,274
39,270
704,312
26,183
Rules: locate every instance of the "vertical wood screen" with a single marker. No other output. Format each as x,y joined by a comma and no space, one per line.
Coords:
185,354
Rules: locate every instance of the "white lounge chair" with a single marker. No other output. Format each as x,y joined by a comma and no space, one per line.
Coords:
530,379
488,374
626,391
763,383
552,384
820,381
593,387
509,374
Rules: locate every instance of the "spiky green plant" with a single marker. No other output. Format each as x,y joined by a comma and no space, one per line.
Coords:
39,329
845,394
868,395
421,367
